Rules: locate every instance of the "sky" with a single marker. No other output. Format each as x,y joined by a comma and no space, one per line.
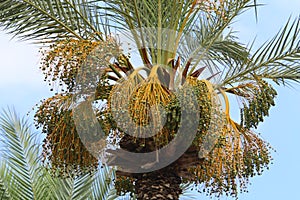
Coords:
22,86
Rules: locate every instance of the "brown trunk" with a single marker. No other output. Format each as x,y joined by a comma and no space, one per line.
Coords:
160,185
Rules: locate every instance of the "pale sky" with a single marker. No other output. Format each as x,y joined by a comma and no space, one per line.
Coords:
22,86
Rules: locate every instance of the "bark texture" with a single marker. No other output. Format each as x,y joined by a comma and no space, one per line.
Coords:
159,185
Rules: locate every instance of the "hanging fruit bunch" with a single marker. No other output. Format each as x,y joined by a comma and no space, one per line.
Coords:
63,149
61,62
259,105
238,153
204,92
145,102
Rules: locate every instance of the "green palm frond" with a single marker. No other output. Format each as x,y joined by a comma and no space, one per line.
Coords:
210,34
49,19
277,59
95,186
82,187
103,191
4,190
152,24
223,51
139,14
72,188
4,195
21,157
157,27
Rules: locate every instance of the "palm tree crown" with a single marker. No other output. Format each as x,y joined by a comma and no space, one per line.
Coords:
191,63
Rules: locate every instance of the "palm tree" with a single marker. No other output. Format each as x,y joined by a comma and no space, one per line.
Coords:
22,175
192,63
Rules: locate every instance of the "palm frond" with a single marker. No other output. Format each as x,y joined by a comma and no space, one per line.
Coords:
277,59
224,51
72,188
49,19
4,195
95,186
82,187
214,27
4,190
101,190
154,26
21,157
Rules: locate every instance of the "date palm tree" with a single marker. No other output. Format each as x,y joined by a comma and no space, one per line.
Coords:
192,63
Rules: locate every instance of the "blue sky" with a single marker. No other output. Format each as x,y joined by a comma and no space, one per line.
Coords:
22,86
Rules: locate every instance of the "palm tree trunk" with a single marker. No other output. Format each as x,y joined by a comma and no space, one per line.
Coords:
160,185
